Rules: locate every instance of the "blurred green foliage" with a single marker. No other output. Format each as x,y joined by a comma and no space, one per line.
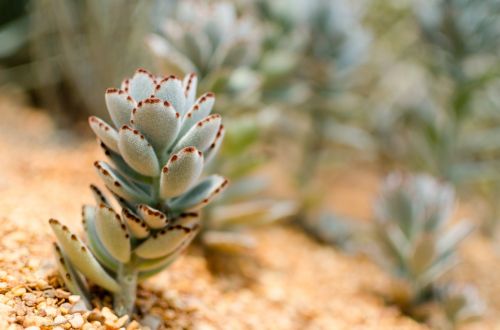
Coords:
418,244
446,122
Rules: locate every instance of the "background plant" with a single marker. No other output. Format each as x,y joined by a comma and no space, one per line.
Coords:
72,50
246,204
417,241
214,40
161,139
316,47
447,124
222,44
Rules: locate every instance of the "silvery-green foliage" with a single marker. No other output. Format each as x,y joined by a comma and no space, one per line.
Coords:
413,230
345,233
448,126
460,27
326,34
243,205
227,221
461,304
325,41
211,39
160,139
335,27
77,50
317,46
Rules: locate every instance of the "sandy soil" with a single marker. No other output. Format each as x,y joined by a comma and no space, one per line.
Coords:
299,285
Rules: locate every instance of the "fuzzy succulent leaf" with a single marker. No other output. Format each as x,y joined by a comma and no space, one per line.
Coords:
181,171
98,196
152,265
71,278
154,218
170,89
165,261
199,110
107,134
158,121
214,148
164,242
138,152
141,85
202,134
190,84
113,233
80,256
117,184
120,106
135,224
95,245
201,194
122,167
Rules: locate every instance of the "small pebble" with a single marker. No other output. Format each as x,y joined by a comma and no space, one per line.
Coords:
18,292
76,321
59,319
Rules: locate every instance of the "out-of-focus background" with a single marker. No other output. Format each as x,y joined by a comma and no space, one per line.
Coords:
321,98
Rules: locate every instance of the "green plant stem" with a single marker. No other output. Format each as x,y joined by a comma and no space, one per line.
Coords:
313,147
155,189
124,300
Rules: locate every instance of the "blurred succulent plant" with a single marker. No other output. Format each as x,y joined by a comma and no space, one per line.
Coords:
68,68
161,140
311,51
224,234
460,28
413,232
450,130
347,234
461,304
213,40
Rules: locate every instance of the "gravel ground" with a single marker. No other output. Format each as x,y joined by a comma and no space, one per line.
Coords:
298,283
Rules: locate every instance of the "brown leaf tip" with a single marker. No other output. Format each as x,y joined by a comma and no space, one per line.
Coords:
144,71
152,100
54,222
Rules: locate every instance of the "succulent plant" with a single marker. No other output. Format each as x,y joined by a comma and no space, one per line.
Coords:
311,52
449,124
68,68
413,231
211,39
161,140
460,28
